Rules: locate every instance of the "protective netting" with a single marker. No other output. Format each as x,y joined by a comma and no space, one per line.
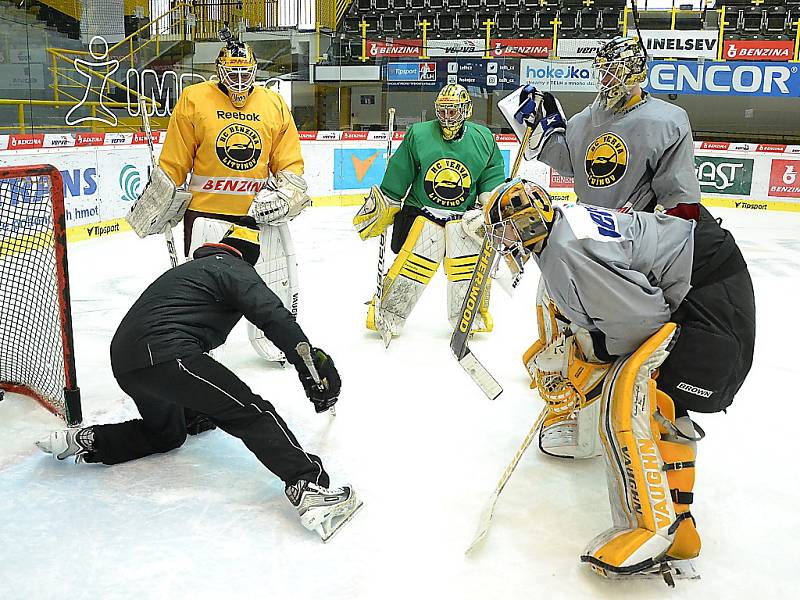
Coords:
36,355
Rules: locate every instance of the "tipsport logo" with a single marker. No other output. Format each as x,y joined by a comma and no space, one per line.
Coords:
130,181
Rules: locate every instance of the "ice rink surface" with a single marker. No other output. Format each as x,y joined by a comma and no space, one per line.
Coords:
421,444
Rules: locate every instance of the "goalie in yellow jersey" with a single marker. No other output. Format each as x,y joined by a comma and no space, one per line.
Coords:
241,146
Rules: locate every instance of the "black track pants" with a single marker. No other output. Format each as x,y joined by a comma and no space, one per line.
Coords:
202,384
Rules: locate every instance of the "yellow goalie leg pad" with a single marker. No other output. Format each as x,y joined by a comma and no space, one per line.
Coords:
679,464
646,511
459,264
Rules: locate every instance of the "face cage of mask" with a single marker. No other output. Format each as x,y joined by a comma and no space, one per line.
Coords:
237,79
459,114
611,81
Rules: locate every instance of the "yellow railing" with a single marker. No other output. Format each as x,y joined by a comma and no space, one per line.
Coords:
175,28
21,127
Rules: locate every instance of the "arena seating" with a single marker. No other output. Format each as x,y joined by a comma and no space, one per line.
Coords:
746,19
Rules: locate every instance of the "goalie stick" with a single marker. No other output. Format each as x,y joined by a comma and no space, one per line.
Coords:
459,342
380,324
173,255
488,511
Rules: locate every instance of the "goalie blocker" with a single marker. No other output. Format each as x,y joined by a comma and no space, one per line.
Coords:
160,206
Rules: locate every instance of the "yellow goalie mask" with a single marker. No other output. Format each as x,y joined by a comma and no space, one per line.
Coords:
453,107
236,69
518,216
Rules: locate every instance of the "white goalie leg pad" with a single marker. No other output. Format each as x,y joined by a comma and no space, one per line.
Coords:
569,379
461,257
643,512
411,271
277,266
206,230
160,206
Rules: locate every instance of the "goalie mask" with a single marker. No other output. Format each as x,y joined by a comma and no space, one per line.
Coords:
236,69
518,219
620,65
453,107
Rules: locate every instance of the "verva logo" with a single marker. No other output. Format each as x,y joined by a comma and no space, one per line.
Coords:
26,141
758,50
559,181
395,49
355,135
327,135
777,148
784,179
714,145
522,48
308,136
89,139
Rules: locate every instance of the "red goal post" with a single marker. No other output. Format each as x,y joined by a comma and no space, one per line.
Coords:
37,355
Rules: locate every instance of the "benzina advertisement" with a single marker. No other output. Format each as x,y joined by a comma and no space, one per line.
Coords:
761,50
783,179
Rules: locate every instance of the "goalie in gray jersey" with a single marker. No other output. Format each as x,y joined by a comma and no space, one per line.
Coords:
661,317
626,151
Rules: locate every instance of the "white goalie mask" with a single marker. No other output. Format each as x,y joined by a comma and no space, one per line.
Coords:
236,69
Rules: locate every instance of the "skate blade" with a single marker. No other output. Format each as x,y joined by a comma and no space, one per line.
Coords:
669,571
327,531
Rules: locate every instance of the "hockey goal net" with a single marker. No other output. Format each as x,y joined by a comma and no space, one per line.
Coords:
36,347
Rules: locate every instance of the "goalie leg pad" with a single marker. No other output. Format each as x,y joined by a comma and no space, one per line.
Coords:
461,257
205,230
647,492
569,430
410,272
277,266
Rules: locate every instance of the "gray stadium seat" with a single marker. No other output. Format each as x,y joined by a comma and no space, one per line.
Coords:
447,23
568,16
364,5
506,24
436,4
610,21
526,23
399,5
408,24
589,21
777,21
389,25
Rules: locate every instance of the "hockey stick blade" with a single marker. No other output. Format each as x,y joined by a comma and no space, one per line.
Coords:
488,511
480,375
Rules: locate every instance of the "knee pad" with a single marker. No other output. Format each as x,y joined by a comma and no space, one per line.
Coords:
461,257
548,325
411,271
650,470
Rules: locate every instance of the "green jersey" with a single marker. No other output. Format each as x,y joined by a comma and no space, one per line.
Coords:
443,177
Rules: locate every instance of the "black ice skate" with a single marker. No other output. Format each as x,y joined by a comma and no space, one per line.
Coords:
321,509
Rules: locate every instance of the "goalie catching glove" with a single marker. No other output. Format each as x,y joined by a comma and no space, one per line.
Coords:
376,214
325,393
283,198
161,205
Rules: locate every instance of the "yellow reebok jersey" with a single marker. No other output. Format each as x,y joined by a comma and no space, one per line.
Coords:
230,151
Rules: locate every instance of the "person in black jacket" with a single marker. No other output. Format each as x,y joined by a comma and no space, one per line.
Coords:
159,356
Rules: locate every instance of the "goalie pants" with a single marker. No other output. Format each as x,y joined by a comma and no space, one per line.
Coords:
713,352
200,383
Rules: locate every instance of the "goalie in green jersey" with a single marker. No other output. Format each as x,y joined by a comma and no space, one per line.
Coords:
432,193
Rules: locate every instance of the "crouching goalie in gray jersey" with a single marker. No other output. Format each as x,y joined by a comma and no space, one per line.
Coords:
626,151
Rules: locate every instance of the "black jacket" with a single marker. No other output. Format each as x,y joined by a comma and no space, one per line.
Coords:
192,308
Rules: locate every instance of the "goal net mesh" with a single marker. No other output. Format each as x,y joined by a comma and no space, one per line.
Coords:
36,348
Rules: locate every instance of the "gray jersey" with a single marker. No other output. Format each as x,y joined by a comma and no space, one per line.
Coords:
621,274
644,154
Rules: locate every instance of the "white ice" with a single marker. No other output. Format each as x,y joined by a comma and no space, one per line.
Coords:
417,439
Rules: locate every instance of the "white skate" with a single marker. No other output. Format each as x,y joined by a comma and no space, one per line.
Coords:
321,509
68,442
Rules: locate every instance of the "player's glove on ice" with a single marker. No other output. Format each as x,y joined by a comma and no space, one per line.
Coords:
325,394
